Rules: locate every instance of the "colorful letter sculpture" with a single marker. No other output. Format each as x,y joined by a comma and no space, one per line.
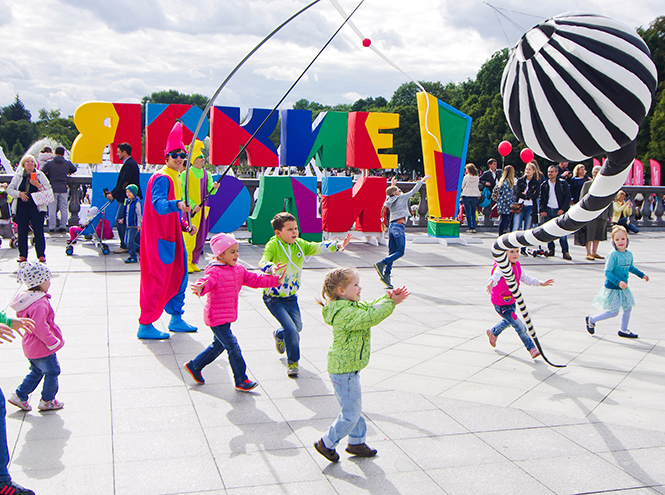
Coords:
229,208
297,195
100,124
324,140
342,203
444,131
364,140
228,135
159,119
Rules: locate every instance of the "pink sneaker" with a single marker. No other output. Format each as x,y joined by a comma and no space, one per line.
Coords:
50,405
492,338
21,404
534,352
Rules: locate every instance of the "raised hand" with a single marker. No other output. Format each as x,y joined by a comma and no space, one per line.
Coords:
341,246
398,295
197,288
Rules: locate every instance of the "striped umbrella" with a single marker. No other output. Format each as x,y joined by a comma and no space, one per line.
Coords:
575,86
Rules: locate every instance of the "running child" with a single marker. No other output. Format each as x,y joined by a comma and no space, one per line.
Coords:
615,295
42,342
397,204
349,353
222,282
504,302
282,301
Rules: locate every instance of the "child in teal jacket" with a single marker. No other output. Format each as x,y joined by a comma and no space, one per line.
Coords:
351,320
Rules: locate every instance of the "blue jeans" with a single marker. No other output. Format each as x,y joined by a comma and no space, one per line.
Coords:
287,313
350,420
224,340
131,240
470,205
396,245
523,217
4,449
122,228
504,223
629,226
510,318
47,368
563,241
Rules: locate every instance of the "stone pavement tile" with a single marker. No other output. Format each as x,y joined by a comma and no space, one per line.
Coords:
161,476
586,473
253,409
167,418
417,383
556,403
476,392
138,398
637,398
603,437
302,408
371,478
643,380
449,451
440,367
525,379
241,439
395,402
74,480
34,453
640,417
389,459
644,464
308,384
90,382
491,479
168,444
482,418
531,443
256,468
322,487
417,424
371,377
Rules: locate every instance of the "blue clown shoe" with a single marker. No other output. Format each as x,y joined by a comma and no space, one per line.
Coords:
149,332
177,324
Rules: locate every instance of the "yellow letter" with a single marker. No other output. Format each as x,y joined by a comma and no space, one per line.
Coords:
97,122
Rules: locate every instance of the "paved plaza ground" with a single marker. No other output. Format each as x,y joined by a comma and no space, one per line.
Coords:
447,413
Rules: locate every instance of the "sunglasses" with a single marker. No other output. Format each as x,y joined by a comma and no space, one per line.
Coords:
178,155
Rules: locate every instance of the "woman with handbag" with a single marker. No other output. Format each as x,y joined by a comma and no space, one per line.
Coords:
33,193
505,198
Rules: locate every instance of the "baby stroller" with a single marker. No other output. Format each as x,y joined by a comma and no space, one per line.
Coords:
97,229
7,226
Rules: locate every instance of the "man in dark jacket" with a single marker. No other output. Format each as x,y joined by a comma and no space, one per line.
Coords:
129,174
56,171
488,180
555,201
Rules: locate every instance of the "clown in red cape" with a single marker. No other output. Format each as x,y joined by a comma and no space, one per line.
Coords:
163,256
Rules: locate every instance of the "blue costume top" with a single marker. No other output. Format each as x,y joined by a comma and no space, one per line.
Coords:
617,266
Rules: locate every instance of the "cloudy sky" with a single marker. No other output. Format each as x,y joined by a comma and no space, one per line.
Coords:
61,53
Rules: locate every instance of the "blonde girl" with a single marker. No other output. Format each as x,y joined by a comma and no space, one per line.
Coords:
349,353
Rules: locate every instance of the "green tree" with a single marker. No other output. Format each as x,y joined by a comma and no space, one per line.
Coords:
14,112
17,152
51,124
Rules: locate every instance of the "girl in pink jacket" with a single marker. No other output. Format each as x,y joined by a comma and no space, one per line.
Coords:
222,282
41,343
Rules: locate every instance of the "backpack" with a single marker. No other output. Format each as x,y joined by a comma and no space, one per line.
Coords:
485,198
496,194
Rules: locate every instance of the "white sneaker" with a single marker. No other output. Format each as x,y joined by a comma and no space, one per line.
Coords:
21,404
50,405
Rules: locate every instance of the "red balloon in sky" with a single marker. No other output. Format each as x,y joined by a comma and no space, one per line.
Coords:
367,42
505,148
526,155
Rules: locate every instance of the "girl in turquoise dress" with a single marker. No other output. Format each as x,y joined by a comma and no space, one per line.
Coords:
615,295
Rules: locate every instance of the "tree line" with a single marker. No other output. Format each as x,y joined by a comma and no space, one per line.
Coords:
478,97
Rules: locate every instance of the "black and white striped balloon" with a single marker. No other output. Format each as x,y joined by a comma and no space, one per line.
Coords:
577,86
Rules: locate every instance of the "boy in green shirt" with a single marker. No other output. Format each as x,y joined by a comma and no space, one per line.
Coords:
282,301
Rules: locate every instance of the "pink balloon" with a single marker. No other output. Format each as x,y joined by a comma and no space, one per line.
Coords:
505,148
526,155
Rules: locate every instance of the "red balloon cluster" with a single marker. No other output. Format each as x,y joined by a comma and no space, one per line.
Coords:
505,148
526,155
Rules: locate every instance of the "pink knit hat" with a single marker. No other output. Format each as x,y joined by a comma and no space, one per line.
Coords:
221,242
174,141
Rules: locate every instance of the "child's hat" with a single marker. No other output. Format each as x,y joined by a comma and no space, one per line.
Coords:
174,141
197,151
33,274
221,242
134,188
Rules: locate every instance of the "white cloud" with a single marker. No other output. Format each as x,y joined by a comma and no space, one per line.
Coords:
5,13
352,96
280,73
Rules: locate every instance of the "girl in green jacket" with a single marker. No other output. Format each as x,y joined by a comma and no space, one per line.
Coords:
351,320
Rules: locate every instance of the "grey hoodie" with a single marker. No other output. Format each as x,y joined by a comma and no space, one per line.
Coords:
399,205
